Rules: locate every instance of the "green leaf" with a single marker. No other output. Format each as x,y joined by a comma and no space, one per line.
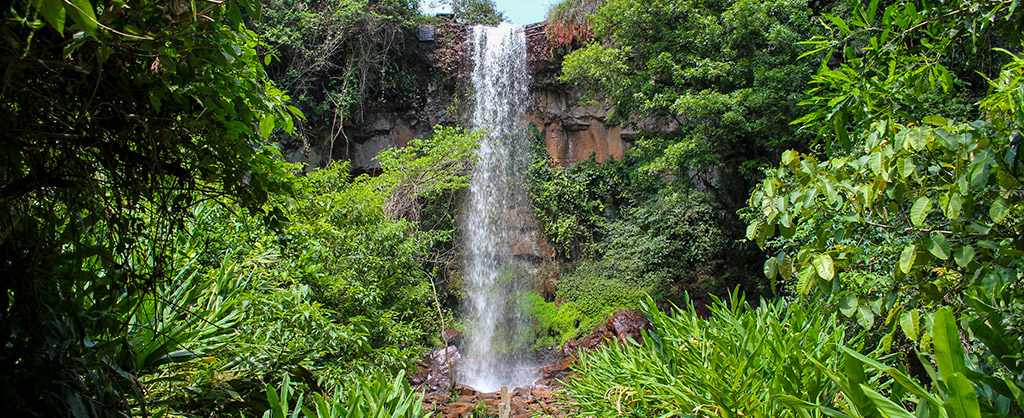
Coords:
963,400
752,229
848,304
906,166
963,255
952,206
825,267
919,211
805,280
876,163
949,353
788,156
909,384
266,126
907,258
1018,393
910,323
771,268
980,175
889,408
998,210
786,266
865,317
84,15
918,139
53,12
830,191
938,246
935,120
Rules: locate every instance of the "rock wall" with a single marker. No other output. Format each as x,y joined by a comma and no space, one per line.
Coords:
572,132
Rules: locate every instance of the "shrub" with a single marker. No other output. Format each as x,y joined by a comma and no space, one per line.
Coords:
731,364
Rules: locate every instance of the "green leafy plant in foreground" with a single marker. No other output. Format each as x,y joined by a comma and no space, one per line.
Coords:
374,396
957,389
731,364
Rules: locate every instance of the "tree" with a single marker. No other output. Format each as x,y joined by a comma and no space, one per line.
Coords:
722,73
116,120
912,219
477,12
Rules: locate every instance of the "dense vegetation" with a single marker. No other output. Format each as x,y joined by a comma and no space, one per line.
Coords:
896,232
852,166
159,256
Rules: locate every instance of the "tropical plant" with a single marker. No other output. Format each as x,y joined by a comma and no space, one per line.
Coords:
117,120
952,391
722,75
373,396
734,363
923,204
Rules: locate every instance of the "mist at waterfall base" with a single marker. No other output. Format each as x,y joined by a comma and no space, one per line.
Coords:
496,214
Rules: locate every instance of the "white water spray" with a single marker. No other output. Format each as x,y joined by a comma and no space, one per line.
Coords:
497,212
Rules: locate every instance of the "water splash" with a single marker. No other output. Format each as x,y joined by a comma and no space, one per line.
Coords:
497,212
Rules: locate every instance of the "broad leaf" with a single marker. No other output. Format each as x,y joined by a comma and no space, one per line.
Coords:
938,246
909,322
907,258
963,255
919,211
962,400
949,353
998,210
848,304
824,265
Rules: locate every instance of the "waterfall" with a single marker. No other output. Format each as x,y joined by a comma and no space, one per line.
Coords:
496,214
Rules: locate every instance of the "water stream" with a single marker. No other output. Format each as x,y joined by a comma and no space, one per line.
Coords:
496,214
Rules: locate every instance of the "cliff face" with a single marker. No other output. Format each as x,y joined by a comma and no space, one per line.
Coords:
571,131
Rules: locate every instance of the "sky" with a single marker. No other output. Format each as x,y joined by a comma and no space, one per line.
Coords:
520,12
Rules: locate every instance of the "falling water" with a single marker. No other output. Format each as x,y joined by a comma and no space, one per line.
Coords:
497,210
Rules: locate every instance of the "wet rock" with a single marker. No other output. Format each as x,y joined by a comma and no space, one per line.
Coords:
629,324
464,390
543,394
540,398
459,408
452,336
435,370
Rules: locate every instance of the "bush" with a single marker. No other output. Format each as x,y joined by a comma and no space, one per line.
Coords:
731,364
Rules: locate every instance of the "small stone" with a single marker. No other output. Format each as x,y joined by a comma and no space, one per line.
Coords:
518,405
459,408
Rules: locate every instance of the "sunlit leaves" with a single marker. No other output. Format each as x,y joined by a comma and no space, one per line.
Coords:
920,210
824,266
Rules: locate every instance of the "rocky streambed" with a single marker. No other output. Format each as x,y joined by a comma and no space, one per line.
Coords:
542,398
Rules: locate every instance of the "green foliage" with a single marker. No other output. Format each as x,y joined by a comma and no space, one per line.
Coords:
912,216
426,169
724,73
569,203
734,363
335,57
556,322
952,392
936,197
117,121
376,396
477,12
